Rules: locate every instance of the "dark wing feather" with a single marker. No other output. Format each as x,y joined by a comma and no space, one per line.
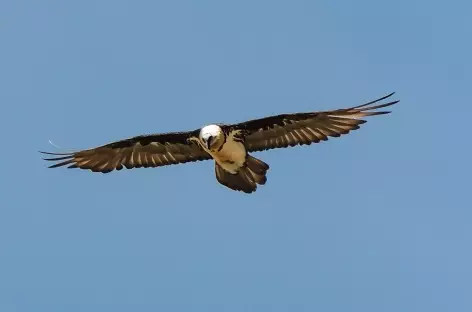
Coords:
141,151
286,130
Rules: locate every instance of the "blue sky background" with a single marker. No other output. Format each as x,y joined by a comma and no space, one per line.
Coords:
379,220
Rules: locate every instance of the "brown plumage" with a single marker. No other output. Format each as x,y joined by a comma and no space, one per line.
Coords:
286,130
142,151
229,145
247,178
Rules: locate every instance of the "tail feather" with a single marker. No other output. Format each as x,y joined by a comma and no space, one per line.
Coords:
246,179
256,165
240,181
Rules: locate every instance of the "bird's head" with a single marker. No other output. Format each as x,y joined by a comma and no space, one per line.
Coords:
212,137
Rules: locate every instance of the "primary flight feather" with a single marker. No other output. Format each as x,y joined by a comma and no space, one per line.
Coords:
228,144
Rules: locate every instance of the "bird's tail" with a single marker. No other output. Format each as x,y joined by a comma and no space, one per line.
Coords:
247,178
258,169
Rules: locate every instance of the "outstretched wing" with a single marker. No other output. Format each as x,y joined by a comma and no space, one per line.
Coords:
286,130
141,151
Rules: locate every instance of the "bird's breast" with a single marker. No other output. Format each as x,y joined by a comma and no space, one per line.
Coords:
231,156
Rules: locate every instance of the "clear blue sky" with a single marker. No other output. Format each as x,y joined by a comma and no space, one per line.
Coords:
379,220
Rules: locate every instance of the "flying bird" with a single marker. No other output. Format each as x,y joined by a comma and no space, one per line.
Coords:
228,145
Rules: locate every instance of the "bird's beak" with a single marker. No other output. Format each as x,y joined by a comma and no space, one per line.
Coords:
208,142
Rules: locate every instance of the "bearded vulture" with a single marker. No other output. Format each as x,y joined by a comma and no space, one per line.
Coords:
228,144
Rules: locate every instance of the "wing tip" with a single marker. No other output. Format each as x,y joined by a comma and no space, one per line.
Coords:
378,100
57,154
387,96
62,158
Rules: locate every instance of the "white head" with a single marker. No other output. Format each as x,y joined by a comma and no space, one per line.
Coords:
212,136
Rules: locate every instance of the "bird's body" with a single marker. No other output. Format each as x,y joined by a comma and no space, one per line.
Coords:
228,145
232,155
227,151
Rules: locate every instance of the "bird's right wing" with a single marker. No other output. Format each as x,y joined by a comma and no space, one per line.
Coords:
141,151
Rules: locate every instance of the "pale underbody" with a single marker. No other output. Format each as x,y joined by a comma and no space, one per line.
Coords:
231,157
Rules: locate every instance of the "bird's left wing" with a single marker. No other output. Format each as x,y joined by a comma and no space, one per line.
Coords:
286,130
141,151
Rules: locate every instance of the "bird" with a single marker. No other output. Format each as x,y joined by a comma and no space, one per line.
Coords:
229,145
